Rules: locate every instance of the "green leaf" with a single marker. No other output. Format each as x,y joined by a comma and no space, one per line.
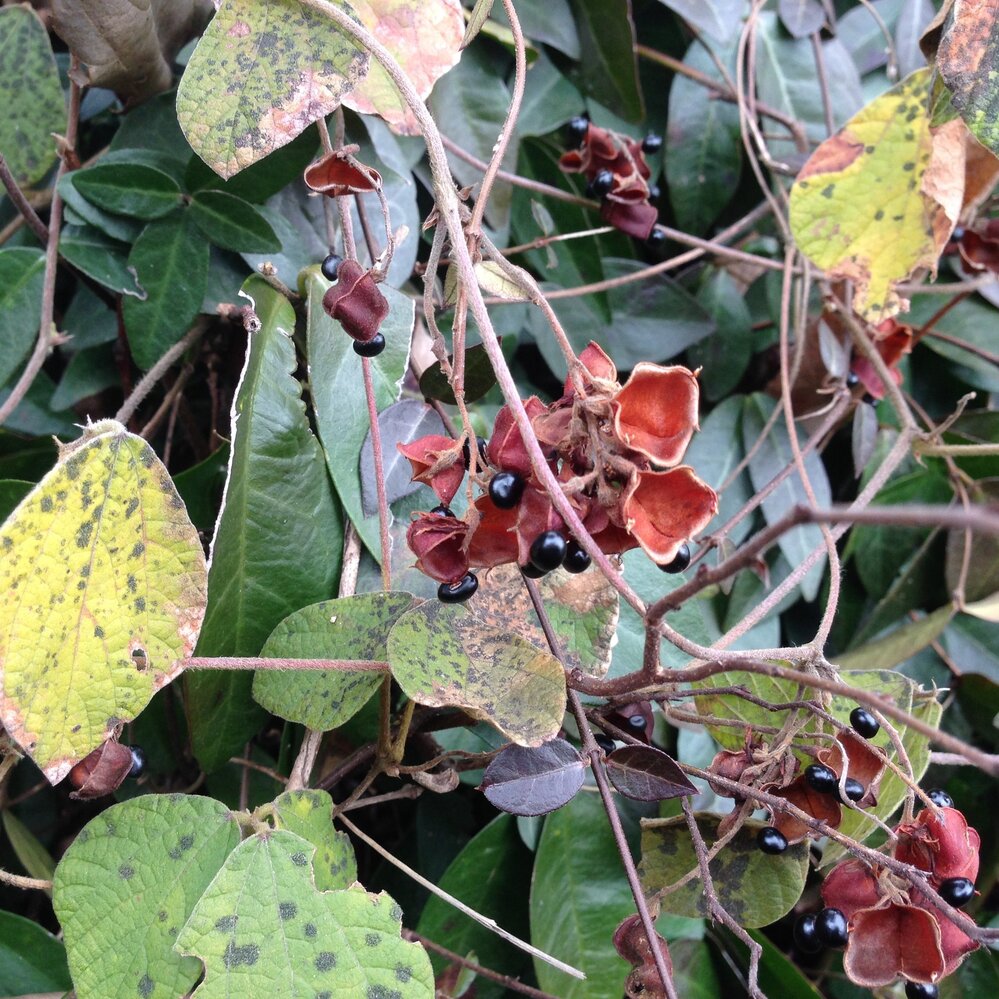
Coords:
770,459
22,271
309,814
703,156
262,928
12,491
120,612
724,356
778,975
338,392
278,539
607,69
127,884
263,71
33,104
442,654
133,189
99,257
31,959
170,258
479,378
353,627
901,644
548,21
201,488
232,223
480,13
87,373
720,19
578,897
34,858
492,875
755,887
117,227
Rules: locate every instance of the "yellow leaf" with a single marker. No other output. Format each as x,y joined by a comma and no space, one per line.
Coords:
878,201
102,592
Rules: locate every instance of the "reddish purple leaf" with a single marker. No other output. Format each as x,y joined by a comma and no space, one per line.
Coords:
528,781
647,774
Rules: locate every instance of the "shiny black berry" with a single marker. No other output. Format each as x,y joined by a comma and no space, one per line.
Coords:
602,183
505,489
853,788
656,240
805,938
457,593
371,348
576,131
139,764
637,722
957,892
680,561
771,840
331,266
652,143
820,778
480,443
533,572
921,990
830,928
576,560
548,550
655,193
864,723
605,742
940,798
442,510
852,380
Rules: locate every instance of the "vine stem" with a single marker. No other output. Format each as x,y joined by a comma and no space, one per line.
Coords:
19,881
490,924
600,775
21,203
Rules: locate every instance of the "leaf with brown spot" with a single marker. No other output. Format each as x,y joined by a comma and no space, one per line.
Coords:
425,36
263,71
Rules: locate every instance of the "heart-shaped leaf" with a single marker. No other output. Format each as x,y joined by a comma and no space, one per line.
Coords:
647,774
534,781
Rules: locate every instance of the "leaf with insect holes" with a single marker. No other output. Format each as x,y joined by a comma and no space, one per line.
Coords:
263,929
754,887
647,774
263,71
425,36
443,654
127,884
534,781
104,584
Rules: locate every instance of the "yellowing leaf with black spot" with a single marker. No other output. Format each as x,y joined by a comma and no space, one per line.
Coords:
102,593
877,201
442,654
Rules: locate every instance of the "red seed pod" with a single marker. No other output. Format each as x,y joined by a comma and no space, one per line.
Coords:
101,772
355,302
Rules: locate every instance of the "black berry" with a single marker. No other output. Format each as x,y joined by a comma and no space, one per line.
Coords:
830,928
442,510
480,443
330,266
370,348
533,572
548,550
576,560
771,840
652,143
921,990
805,938
680,561
864,723
139,764
576,131
852,380
940,798
605,742
602,183
654,195
820,778
853,789
637,722
957,892
457,593
505,489
656,239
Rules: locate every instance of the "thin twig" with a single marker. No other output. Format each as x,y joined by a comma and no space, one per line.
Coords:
19,881
21,203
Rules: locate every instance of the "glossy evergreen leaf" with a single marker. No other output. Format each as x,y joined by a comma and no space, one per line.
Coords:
755,887
548,21
309,814
128,883
647,774
801,17
724,356
32,960
22,271
354,627
132,189
101,258
607,69
117,227
263,928
31,95
87,373
278,538
232,223
34,858
479,378
263,71
534,781
170,258
338,392
578,897
443,654
720,19
492,875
